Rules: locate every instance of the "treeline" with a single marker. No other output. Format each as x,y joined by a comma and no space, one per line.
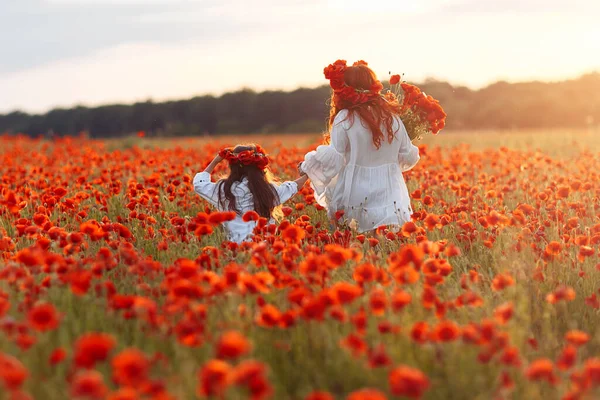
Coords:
572,103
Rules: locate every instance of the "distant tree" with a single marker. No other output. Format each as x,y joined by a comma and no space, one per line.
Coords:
572,103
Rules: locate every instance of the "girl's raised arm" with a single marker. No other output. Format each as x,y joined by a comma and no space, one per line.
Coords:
211,167
204,186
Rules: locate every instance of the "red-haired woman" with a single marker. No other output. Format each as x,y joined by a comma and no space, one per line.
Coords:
360,171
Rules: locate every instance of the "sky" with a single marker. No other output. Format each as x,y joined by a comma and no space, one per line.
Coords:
61,53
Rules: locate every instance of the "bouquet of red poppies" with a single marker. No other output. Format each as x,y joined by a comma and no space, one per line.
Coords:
421,113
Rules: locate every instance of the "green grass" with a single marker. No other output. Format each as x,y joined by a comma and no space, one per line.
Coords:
308,355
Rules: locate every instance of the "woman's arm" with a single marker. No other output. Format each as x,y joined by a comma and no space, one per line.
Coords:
408,155
326,162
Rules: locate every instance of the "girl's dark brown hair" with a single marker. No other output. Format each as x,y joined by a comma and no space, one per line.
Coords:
264,194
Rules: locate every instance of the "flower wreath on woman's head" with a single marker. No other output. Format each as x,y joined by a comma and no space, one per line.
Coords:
335,73
256,156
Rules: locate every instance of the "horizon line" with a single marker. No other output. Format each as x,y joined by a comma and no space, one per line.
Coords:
300,87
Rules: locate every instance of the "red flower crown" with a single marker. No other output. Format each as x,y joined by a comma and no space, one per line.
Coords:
335,73
256,156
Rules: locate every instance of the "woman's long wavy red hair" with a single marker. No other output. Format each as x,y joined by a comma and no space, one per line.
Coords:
377,114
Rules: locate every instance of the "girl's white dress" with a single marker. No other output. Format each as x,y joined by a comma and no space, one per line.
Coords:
352,175
237,230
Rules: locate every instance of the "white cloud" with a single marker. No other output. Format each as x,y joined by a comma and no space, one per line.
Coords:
378,6
113,2
288,45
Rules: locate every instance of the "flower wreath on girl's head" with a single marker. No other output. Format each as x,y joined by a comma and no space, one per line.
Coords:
256,156
335,73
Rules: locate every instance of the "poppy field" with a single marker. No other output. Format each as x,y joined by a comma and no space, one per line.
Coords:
116,282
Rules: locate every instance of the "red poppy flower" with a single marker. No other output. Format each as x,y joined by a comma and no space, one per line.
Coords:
293,234
409,382
563,293
355,344
346,292
419,332
504,312
125,393
252,375
88,385
130,367
400,299
511,357
92,348
43,317
567,358
378,302
213,378
12,372
319,396
231,345
541,369
378,357
268,316
446,331
502,281
250,216
57,356
577,338
373,242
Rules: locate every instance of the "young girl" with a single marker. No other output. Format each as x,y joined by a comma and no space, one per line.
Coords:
248,187
360,170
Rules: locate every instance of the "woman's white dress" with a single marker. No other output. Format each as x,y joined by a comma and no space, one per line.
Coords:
352,175
237,230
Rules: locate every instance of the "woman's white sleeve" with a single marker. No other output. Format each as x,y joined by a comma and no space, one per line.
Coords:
286,191
326,162
408,155
206,188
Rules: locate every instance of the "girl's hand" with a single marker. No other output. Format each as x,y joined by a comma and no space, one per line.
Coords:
300,169
210,168
301,181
